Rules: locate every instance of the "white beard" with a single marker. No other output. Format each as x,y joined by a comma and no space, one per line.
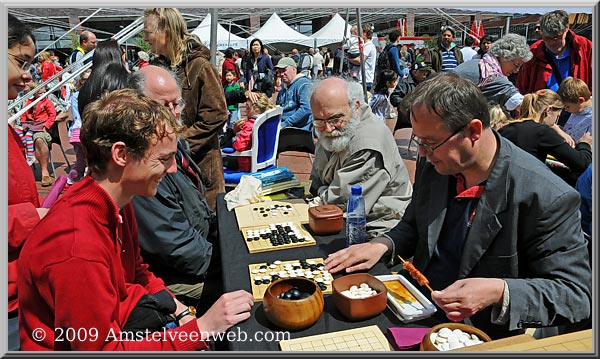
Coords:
338,140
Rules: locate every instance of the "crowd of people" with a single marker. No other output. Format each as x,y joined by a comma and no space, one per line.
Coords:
498,217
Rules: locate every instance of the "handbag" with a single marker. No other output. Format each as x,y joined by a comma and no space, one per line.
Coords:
152,313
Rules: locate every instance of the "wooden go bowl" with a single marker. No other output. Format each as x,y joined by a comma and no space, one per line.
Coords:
427,345
293,314
359,309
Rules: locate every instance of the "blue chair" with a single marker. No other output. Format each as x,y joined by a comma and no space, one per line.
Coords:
265,139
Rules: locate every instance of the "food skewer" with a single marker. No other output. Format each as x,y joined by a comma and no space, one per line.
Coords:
415,273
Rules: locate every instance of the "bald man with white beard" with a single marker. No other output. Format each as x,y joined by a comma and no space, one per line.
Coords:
355,147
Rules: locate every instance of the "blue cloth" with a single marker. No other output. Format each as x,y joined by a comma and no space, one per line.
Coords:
563,63
295,101
394,57
584,187
579,123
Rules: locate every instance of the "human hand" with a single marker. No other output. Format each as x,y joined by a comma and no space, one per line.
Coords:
42,212
252,96
239,124
587,138
230,309
465,297
242,85
357,257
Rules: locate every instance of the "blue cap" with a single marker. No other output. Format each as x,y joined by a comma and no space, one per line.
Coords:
356,189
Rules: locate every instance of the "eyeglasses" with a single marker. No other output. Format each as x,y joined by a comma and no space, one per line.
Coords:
336,121
21,63
554,38
427,148
177,106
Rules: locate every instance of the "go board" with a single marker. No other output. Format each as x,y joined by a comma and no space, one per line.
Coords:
265,213
369,338
276,236
263,274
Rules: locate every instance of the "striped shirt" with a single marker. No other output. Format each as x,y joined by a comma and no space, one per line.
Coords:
449,61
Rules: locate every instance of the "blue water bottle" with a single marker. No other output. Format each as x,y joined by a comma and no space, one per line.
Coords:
356,230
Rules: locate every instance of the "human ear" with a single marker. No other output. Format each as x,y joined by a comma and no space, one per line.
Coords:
119,153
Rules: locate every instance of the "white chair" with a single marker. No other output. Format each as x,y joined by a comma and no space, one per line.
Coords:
265,139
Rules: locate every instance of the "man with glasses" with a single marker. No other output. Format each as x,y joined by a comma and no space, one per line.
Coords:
176,225
497,235
355,147
294,95
559,54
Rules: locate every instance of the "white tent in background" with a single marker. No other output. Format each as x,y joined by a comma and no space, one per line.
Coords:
332,32
225,39
275,30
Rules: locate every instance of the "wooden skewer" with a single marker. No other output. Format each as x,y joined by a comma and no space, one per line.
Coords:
427,285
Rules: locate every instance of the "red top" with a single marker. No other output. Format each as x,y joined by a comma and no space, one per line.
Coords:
535,73
22,203
81,268
243,142
49,69
43,111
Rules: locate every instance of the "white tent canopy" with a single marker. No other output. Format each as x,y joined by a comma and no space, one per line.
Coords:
225,39
275,30
332,32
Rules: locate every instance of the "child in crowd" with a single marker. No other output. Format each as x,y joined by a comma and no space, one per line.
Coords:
380,101
35,124
243,129
230,86
576,97
352,48
76,172
498,117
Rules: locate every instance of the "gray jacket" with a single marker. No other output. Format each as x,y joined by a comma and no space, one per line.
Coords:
373,161
526,230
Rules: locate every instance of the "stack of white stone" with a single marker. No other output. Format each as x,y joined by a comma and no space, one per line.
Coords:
448,339
360,292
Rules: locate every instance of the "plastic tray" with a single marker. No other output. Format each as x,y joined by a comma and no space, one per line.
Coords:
409,310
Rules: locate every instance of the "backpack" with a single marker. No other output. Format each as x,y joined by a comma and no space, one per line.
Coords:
383,61
305,64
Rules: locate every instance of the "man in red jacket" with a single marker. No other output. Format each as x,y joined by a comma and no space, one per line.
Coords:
81,272
559,54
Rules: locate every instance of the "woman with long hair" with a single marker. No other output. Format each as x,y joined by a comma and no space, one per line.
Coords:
533,133
258,69
205,110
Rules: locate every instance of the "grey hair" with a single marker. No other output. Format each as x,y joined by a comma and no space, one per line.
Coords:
510,47
555,22
355,93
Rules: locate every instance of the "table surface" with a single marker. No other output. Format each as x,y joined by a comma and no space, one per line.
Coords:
235,260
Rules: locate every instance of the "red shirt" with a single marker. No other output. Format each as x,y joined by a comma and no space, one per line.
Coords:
42,112
22,203
82,268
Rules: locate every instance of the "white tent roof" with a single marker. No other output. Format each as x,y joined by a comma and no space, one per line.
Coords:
275,30
332,32
225,39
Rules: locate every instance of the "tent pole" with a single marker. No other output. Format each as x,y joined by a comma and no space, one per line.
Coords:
344,40
362,56
213,35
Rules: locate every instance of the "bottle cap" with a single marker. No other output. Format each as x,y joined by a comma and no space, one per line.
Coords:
356,189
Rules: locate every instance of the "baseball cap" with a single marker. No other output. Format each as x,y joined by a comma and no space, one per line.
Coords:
420,66
285,62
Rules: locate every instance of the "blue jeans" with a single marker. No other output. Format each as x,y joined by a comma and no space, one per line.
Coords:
14,343
234,115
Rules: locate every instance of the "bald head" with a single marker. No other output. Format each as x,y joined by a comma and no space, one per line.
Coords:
332,89
158,84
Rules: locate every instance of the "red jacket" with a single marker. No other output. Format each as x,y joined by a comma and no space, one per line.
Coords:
229,64
81,268
243,142
49,69
22,203
43,111
535,73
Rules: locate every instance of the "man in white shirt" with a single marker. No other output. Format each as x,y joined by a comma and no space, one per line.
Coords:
369,54
467,51
318,63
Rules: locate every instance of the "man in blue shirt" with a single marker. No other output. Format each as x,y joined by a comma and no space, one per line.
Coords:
294,95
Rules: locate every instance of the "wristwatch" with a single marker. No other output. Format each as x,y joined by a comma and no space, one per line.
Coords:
189,311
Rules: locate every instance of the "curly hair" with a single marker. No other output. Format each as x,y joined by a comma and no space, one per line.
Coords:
510,47
123,115
554,23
